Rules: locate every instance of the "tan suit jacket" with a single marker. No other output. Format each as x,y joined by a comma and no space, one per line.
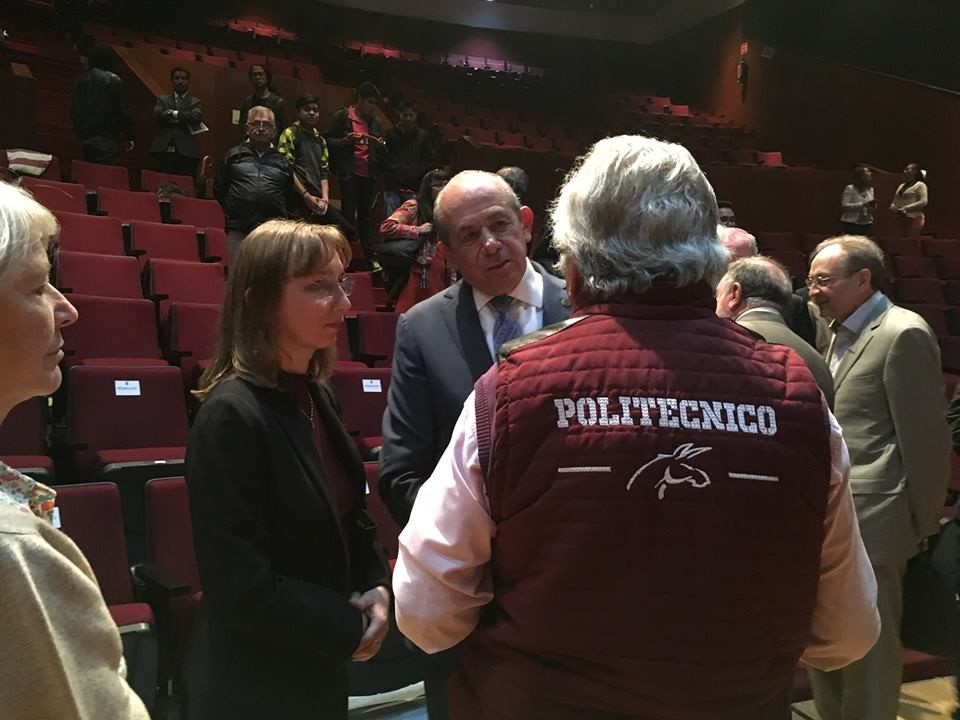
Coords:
772,328
890,403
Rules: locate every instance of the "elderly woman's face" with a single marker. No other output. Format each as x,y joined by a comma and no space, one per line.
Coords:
33,313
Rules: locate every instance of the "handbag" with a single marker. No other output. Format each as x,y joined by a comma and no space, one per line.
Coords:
931,607
401,251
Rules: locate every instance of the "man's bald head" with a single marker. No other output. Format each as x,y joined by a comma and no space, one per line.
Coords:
738,243
470,183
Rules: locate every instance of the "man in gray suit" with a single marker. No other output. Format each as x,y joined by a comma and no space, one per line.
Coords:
890,404
754,292
444,344
175,147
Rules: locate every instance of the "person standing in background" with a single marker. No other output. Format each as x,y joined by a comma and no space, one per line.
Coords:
409,156
858,203
910,200
175,147
355,139
102,118
263,95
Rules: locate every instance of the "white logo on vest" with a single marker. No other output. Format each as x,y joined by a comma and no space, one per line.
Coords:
682,473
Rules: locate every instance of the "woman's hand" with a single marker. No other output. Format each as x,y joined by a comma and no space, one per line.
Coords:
375,605
426,228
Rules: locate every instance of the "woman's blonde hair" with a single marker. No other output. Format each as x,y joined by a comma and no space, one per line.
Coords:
269,256
23,222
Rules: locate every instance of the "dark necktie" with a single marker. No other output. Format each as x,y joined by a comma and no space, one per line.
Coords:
505,328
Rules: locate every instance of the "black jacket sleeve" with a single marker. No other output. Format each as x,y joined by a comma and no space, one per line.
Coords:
227,473
408,455
336,136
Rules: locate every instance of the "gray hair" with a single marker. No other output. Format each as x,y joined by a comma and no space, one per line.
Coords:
635,209
859,253
729,236
23,222
764,282
469,178
260,110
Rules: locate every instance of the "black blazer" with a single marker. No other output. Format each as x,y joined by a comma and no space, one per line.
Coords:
275,629
440,353
189,116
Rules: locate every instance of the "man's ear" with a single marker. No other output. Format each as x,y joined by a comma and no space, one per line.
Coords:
526,218
574,280
736,297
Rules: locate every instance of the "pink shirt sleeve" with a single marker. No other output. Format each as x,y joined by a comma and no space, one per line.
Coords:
846,622
441,581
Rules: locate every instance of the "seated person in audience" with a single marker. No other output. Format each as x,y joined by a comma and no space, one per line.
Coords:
102,118
357,147
612,532
62,656
727,217
411,254
303,146
295,585
910,200
741,244
409,156
754,292
175,147
517,179
858,203
253,180
263,95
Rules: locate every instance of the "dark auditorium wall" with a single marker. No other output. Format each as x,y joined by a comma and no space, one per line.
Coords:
821,112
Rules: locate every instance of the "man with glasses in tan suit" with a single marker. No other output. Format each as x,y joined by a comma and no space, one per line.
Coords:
890,404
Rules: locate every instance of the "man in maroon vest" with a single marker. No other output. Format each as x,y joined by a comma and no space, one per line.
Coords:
643,511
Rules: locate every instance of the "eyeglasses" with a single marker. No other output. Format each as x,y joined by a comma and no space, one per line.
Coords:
327,291
261,125
822,281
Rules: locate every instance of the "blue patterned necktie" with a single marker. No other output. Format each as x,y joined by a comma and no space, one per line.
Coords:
505,328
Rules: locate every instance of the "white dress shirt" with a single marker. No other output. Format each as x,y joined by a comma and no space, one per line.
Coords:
442,579
526,309
849,330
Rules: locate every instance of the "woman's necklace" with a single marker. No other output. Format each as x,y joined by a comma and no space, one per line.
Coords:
312,415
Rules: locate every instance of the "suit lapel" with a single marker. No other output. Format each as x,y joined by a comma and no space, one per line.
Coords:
556,304
860,344
463,322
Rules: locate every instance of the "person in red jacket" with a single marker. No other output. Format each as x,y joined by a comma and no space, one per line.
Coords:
644,510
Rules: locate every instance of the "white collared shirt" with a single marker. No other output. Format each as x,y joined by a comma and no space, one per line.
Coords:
526,309
850,330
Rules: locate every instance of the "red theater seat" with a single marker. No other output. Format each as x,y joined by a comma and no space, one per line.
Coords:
23,439
196,212
362,394
90,233
941,247
91,515
153,240
777,241
935,315
194,329
127,205
170,282
94,175
512,140
376,335
900,246
81,273
907,266
112,331
771,159
128,425
150,180
927,291
53,195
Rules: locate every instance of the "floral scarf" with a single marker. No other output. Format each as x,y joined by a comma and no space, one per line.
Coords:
26,494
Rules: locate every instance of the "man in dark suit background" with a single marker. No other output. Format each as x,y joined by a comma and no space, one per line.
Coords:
175,148
444,344
101,114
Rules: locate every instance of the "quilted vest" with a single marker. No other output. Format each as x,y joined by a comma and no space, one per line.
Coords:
659,479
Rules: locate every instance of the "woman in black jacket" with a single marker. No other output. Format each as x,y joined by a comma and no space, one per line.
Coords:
294,584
